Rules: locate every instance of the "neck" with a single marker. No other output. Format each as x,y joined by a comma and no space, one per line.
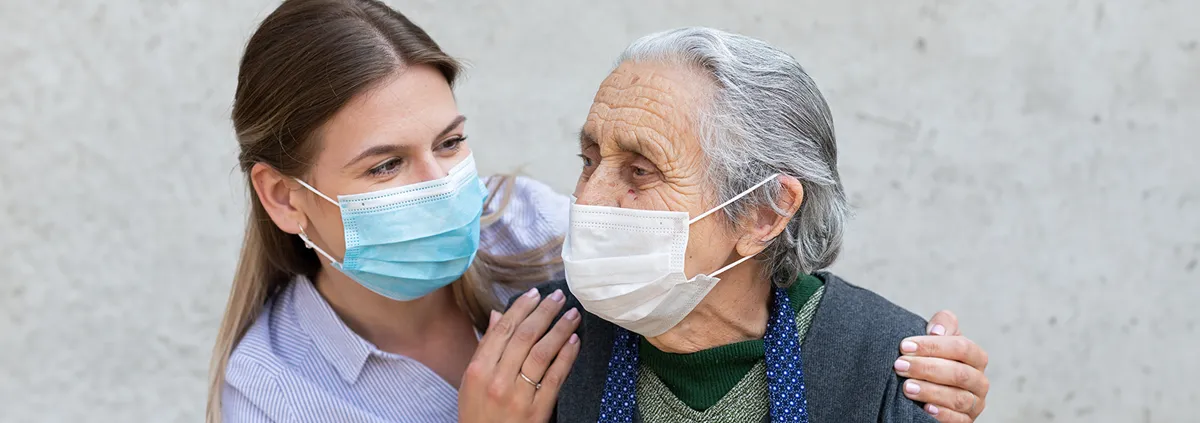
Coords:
392,326
734,311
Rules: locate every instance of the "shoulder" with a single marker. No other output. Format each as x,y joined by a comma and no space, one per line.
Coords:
859,325
876,318
254,358
549,288
849,353
252,389
526,201
529,214
523,189
585,383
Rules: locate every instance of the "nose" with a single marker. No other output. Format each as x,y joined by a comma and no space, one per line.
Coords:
603,188
427,168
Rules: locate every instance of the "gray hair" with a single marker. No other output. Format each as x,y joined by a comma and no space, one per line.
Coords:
766,117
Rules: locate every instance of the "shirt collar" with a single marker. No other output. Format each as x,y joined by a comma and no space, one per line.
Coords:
342,348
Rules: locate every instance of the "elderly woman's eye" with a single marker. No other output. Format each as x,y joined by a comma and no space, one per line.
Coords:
389,166
638,171
587,162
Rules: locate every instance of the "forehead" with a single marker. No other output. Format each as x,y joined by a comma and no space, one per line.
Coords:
407,108
648,102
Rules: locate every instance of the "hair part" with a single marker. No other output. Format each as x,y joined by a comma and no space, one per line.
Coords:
766,117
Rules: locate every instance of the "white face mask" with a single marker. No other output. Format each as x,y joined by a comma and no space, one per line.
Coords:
626,265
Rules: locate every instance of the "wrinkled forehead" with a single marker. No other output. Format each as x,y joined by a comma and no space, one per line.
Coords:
650,108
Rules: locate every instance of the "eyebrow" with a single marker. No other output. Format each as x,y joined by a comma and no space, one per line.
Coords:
392,149
453,124
586,139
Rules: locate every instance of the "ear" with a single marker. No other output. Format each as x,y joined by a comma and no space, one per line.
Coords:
766,223
276,192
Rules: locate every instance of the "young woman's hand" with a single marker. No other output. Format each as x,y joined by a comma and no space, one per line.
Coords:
945,371
518,368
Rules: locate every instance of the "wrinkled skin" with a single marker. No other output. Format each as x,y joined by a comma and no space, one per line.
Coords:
641,151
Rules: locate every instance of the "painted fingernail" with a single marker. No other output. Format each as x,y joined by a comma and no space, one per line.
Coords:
557,296
931,409
902,365
532,293
912,388
938,330
908,347
572,314
574,339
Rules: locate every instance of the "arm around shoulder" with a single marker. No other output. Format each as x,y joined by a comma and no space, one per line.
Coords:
898,408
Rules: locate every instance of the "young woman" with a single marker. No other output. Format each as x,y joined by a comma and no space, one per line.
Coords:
374,255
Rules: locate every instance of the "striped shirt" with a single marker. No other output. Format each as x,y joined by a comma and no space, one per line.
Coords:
299,362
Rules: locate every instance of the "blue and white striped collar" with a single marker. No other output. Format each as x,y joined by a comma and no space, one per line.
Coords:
342,348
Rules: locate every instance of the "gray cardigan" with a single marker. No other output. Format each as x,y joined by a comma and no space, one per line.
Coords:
848,355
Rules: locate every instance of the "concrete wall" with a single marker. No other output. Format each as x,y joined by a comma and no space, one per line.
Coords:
1029,164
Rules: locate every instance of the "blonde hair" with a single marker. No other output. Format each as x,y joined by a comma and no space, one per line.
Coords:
307,59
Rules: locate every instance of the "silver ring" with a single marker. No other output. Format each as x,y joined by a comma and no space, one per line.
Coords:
536,385
973,404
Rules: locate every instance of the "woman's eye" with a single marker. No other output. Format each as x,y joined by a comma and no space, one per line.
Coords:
587,162
637,171
452,144
387,167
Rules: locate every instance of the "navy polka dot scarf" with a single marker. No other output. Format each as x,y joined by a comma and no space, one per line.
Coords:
785,373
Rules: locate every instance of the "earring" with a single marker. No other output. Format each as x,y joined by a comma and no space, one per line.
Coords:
303,236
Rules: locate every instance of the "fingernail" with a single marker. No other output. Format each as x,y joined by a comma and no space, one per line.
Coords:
931,409
912,388
572,314
574,339
532,293
938,330
494,318
908,347
557,296
902,365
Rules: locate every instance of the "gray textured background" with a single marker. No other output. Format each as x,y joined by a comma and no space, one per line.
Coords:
1029,164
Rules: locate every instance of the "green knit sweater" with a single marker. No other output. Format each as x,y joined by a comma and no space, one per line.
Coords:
722,384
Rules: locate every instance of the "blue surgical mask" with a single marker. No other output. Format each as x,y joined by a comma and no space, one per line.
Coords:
406,242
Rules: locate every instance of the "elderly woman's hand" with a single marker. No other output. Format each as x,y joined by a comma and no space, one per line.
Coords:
518,368
945,371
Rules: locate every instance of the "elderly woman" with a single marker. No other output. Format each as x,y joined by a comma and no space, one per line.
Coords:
708,205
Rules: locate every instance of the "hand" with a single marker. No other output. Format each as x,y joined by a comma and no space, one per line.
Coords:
945,371
516,347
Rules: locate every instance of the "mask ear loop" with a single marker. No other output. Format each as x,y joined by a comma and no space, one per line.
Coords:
314,190
735,198
731,265
730,201
308,243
